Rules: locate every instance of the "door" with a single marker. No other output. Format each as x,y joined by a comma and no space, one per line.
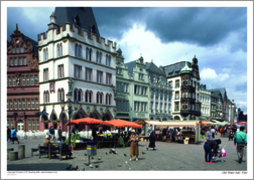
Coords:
20,126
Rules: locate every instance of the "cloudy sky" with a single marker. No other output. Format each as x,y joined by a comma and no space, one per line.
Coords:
216,35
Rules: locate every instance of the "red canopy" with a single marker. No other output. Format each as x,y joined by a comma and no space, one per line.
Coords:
86,120
240,123
122,123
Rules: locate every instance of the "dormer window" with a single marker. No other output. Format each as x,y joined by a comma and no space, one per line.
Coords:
76,20
93,29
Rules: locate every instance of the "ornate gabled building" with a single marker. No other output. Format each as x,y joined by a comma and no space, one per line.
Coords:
184,79
160,93
75,60
22,83
139,90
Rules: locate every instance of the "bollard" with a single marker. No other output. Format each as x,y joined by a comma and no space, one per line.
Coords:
21,151
13,155
8,152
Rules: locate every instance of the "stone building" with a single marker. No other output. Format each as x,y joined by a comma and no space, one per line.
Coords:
184,79
22,83
160,93
205,99
74,60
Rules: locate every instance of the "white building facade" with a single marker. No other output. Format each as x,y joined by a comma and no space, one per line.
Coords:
205,99
80,64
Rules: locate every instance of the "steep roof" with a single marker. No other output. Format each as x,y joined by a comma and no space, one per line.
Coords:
174,69
130,66
153,69
81,16
218,91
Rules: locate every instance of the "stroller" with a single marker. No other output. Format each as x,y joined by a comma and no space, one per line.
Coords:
221,152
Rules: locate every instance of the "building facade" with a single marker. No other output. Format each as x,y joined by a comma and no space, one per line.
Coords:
74,60
184,79
139,90
160,94
22,83
205,99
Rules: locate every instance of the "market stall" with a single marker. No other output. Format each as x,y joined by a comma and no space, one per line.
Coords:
193,124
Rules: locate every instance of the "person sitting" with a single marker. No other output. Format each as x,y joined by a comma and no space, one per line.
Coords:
47,142
65,147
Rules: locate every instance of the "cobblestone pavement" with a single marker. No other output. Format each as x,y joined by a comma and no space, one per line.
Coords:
166,157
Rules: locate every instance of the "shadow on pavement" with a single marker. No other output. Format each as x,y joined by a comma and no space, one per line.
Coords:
38,167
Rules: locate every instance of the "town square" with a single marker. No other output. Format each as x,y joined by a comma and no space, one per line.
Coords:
127,88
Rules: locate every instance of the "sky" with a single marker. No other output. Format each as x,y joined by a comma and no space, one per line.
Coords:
165,35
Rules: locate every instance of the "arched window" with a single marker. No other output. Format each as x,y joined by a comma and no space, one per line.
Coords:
80,95
91,97
86,96
98,98
100,57
62,94
90,54
97,56
58,50
61,50
87,53
58,95
101,98
76,50
80,51
44,54
108,60
106,98
75,95
110,97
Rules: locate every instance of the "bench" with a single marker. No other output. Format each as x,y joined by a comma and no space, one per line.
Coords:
33,150
51,150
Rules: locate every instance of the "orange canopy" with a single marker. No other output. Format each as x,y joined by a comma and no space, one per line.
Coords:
122,123
86,120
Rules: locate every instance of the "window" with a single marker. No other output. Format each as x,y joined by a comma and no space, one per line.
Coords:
33,124
46,96
99,76
80,95
45,54
37,124
17,49
28,103
11,62
32,103
13,81
177,84
20,61
97,56
77,71
23,104
89,54
24,60
15,61
27,80
176,106
60,71
119,70
45,74
36,80
59,50
108,99
15,104
36,104
100,57
108,78
7,104
19,104
108,60
88,74
13,50
177,95
11,104
32,80
141,76
28,124
62,94
52,86
9,80
99,98
21,49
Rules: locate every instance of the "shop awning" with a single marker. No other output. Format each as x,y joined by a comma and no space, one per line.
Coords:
87,120
173,123
122,123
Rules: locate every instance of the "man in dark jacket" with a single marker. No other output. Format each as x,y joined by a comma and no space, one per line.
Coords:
59,133
8,133
152,141
208,146
52,133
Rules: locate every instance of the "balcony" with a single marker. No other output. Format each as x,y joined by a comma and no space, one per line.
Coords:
188,87
187,112
187,99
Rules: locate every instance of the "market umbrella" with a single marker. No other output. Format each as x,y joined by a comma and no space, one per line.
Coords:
240,123
86,120
122,123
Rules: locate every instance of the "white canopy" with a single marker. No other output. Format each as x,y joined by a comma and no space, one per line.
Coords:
173,123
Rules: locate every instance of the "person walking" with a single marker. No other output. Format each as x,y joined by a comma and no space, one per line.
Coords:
208,134
151,141
213,132
208,147
59,133
14,135
134,139
241,141
8,133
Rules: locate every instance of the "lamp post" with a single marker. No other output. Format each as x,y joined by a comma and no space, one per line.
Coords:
69,104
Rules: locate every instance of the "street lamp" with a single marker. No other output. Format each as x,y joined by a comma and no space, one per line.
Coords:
69,103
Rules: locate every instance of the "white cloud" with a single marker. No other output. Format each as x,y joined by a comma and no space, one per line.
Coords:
208,73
